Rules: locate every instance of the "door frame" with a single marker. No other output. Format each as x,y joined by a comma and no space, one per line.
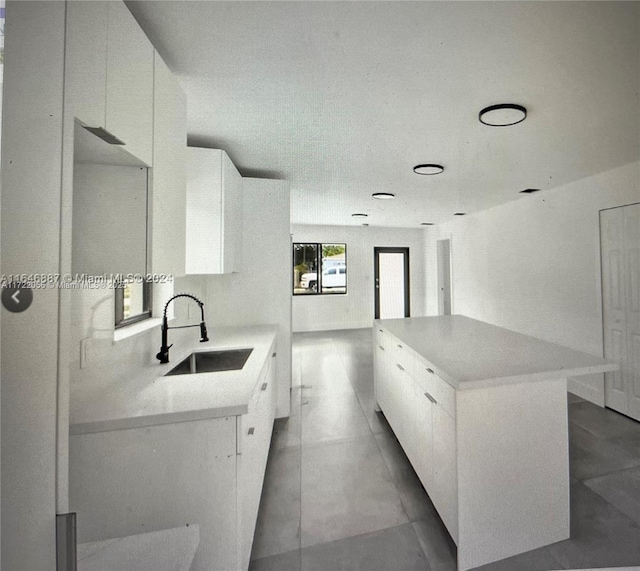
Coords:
444,277
376,278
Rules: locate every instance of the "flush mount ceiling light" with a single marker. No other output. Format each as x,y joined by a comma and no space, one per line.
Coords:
459,213
529,190
502,115
428,169
359,215
383,195
426,223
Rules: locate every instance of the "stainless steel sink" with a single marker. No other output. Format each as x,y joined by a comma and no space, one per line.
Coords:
211,361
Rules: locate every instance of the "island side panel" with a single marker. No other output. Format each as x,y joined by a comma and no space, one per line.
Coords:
126,482
513,470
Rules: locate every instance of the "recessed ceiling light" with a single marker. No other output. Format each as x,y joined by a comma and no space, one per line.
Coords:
383,195
502,115
426,223
428,169
529,190
359,215
459,213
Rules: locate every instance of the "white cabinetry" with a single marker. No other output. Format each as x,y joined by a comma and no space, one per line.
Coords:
169,174
481,413
214,213
109,73
207,472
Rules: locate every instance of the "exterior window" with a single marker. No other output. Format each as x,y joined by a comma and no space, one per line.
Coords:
319,268
133,302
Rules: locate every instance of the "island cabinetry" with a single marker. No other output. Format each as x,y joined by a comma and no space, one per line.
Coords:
481,413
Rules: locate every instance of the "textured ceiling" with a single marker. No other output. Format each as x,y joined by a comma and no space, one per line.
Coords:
344,98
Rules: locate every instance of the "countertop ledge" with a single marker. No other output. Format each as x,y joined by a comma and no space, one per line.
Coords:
470,354
149,398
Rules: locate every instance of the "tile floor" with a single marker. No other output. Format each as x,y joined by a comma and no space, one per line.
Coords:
340,494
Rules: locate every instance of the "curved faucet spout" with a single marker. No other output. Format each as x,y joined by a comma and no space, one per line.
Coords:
163,354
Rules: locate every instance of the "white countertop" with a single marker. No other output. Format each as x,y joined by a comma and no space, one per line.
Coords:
149,398
471,354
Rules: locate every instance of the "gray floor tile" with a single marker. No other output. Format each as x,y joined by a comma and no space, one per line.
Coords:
324,374
346,491
601,536
601,422
591,456
278,525
394,549
436,543
621,489
286,432
289,561
415,500
326,418
536,560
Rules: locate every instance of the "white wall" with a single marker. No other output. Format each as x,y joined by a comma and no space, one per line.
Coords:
533,265
261,292
356,308
31,183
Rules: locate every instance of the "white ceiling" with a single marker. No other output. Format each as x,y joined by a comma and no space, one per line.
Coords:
344,98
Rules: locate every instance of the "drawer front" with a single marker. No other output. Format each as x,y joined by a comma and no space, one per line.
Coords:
400,356
441,391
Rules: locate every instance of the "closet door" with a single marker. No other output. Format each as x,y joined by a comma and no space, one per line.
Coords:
631,222
620,250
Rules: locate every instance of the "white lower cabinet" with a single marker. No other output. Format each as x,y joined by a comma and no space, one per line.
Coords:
420,407
206,472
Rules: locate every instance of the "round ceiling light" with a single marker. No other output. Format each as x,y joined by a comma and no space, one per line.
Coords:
359,215
428,169
502,115
383,195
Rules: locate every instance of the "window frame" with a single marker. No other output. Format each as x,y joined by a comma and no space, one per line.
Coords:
319,245
147,300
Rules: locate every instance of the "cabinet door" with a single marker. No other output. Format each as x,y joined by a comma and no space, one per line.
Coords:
129,113
424,460
85,62
169,182
232,216
444,491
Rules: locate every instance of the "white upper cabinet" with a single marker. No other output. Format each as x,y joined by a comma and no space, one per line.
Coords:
214,213
109,75
169,178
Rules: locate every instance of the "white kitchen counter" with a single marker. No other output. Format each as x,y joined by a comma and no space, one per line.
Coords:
149,398
471,354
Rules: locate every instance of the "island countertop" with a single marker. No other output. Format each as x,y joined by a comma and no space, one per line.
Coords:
470,354
148,398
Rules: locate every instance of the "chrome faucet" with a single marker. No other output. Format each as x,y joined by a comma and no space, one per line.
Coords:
163,355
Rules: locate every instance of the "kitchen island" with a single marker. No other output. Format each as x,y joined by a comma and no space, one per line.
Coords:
481,413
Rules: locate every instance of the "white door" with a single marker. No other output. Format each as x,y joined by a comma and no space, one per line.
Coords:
391,282
444,277
620,251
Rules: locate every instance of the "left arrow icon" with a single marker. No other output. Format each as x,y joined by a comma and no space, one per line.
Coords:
17,297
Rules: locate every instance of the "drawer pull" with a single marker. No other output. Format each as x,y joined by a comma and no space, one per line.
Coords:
251,431
273,354
380,330
264,387
430,370
400,367
434,401
399,345
381,347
